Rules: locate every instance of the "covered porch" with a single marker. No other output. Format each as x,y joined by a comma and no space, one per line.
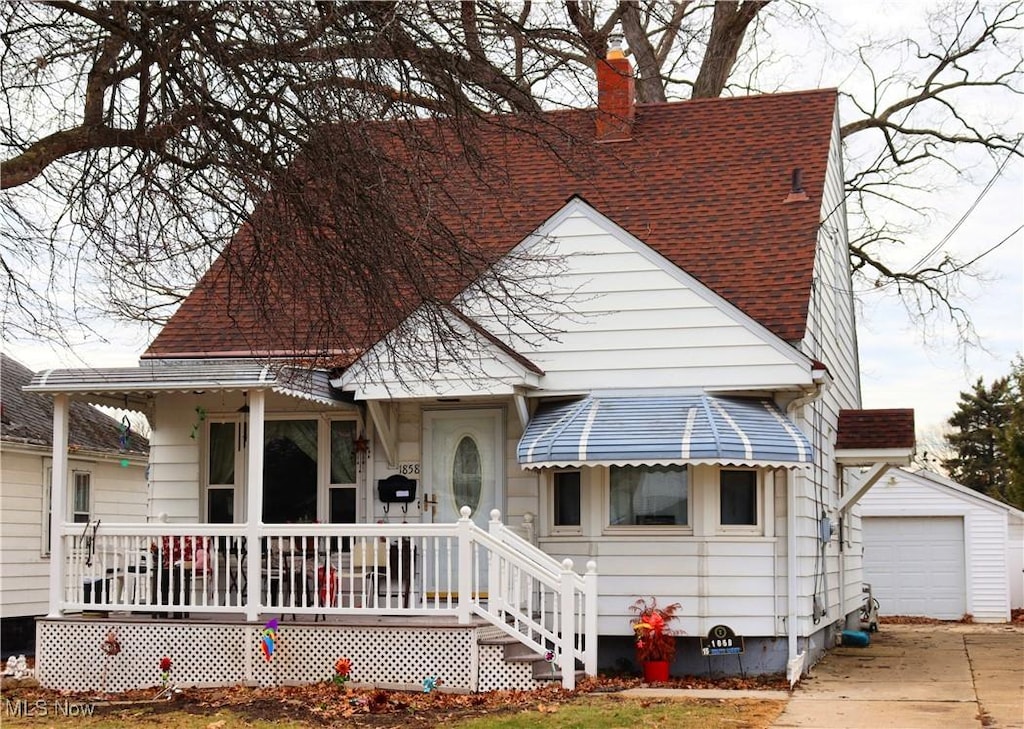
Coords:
221,565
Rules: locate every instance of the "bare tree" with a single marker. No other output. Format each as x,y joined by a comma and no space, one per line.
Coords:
148,134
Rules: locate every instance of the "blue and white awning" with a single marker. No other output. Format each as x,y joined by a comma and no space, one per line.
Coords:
633,431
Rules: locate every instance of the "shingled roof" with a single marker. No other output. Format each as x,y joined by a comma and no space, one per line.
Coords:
27,418
875,429
704,183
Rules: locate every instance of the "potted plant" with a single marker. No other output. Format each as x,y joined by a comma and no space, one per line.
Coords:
655,638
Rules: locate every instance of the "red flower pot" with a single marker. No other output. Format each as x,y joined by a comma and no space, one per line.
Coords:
655,671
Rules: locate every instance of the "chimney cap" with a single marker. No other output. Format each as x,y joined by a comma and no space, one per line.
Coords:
615,45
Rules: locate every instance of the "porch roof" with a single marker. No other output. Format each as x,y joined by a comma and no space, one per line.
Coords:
663,430
131,387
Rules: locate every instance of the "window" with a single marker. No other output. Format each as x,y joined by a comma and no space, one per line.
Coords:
738,498
80,501
82,486
341,500
648,496
467,474
566,494
221,478
289,471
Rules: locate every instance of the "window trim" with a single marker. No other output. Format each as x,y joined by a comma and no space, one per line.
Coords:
45,538
242,444
760,493
73,493
564,529
609,529
239,489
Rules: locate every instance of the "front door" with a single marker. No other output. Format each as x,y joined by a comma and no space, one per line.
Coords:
462,463
462,466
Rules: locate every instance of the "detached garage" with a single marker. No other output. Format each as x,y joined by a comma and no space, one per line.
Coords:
938,549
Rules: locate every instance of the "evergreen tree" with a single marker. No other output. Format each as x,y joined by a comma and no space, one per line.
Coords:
981,421
1013,438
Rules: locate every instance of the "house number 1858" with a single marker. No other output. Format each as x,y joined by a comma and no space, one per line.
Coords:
409,469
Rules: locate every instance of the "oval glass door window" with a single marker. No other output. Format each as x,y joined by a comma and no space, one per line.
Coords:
467,474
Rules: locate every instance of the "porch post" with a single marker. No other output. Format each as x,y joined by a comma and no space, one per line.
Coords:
254,512
465,566
590,619
567,626
495,585
58,502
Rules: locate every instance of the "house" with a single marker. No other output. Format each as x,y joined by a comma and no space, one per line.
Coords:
106,481
684,423
938,549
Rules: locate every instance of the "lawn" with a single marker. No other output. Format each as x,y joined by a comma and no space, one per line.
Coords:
596,705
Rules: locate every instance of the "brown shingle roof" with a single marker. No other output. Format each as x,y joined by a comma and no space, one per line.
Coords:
702,182
27,417
874,429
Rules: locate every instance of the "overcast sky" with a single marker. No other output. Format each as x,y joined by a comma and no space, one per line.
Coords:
902,363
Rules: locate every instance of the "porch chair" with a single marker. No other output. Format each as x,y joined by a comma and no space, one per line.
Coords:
172,578
374,567
136,578
202,573
360,579
285,576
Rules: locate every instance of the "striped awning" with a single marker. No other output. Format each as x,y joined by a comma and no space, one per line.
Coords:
130,386
633,431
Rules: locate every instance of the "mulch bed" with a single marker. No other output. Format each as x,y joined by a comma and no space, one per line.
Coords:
326,703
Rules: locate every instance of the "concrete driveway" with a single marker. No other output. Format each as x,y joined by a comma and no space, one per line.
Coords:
949,675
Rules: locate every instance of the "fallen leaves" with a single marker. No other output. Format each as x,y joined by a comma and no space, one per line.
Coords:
326,703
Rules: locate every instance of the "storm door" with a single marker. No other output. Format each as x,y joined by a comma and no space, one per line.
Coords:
462,466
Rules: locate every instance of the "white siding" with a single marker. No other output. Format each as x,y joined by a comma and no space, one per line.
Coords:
716,580
174,456
637,321
1015,561
119,494
986,534
830,338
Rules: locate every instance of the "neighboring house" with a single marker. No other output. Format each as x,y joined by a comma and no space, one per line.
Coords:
105,481
938,549
692,432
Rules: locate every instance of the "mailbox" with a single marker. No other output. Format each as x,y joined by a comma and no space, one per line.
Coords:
396,489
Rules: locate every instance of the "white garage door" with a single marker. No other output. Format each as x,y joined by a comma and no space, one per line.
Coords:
916,565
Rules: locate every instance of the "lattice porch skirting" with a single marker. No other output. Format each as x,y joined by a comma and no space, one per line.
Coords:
70,655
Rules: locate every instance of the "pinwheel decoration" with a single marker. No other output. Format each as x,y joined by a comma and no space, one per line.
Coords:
268,639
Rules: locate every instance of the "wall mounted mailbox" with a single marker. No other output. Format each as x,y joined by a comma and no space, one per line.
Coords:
396,489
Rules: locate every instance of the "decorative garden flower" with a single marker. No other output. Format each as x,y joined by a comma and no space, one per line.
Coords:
165,670
655,640
342,671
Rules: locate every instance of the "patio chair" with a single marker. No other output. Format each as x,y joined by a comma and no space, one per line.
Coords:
138,569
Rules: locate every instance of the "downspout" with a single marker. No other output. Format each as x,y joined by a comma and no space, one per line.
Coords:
794,664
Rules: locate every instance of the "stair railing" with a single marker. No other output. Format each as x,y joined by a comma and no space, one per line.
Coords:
534,598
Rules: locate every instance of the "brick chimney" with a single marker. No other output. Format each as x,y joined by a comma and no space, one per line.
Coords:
615,94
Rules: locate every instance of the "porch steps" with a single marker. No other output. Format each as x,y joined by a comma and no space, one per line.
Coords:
516,652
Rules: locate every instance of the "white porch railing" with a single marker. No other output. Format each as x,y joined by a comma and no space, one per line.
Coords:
453,569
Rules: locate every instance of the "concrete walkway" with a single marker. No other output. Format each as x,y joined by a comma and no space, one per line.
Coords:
950,676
